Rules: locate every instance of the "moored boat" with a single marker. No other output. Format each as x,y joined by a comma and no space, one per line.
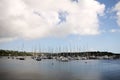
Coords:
38,59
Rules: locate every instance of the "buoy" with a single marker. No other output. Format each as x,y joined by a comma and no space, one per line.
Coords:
52,63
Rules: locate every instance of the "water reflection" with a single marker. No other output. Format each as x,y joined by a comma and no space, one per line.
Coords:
29,69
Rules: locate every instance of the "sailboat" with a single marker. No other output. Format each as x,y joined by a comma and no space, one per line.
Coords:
38,58
64,58
23,52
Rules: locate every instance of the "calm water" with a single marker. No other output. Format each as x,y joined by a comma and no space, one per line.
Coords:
29,69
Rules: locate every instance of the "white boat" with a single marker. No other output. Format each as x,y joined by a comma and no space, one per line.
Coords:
21,58
63,59
38,59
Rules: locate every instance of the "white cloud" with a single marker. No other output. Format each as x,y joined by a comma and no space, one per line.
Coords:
31,19
117,9
92,49
6,39
114,30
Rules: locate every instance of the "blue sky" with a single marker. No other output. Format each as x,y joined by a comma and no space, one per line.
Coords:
105,36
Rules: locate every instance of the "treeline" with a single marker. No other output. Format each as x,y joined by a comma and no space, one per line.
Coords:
84,54
14,53
65,54
94,53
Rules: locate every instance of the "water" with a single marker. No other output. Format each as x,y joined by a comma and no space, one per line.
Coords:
29,69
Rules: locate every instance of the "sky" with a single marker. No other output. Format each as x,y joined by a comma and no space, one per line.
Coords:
60,25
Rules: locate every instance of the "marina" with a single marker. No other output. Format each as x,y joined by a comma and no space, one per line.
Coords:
59,39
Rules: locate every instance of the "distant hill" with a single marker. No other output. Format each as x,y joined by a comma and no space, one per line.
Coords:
92,53
13,53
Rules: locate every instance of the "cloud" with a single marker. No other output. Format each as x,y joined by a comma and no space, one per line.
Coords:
30,19
117,9
114,30
6,39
